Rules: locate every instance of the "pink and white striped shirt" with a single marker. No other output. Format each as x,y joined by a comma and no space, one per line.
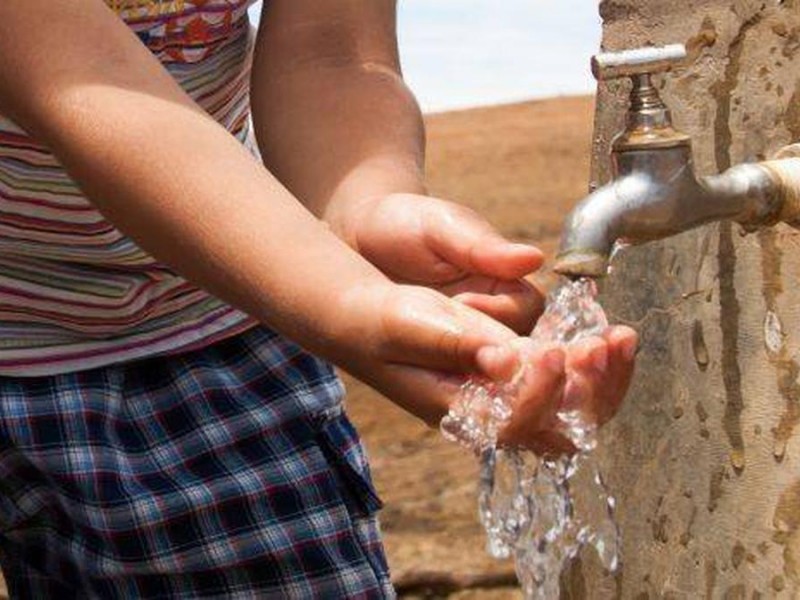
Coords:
75,293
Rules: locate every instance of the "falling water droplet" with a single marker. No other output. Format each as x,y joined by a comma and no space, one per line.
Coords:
773,332
737,459
616,249
674,266
699,346
779,449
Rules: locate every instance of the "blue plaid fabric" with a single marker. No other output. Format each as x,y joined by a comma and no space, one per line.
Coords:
227,472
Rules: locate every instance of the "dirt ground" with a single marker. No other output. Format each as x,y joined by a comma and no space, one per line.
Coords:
523,166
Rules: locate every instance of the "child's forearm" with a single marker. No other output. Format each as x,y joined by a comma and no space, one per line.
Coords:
189,194
335,121
170,177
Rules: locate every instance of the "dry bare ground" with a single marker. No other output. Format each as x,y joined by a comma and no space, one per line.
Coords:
522,166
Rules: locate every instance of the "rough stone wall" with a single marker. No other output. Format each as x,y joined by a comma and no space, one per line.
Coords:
705,457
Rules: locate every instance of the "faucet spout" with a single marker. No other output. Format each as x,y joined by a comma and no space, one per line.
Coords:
657,197
592,229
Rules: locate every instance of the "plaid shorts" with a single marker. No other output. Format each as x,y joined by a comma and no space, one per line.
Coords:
227,472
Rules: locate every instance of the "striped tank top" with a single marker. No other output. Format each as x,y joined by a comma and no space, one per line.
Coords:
75,293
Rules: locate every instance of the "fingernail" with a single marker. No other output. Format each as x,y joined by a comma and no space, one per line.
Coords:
488,354
629,348
599,358
554,360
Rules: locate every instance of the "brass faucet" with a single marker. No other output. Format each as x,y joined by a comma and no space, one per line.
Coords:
655,192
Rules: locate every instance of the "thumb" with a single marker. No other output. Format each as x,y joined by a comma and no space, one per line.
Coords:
465,239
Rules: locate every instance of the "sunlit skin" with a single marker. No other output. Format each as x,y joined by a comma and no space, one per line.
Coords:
592,375
333,241
453,249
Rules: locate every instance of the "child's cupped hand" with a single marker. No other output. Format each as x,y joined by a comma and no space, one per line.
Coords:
591,376
418,347
467,319
422,240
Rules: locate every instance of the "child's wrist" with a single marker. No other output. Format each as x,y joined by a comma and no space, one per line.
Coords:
348,212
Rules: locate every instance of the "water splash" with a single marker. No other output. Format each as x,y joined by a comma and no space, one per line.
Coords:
540,511
773,332
616,250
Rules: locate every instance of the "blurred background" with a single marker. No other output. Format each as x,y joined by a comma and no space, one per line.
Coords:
509,103
463,53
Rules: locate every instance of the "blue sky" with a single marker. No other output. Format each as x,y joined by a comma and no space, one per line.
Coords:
460,53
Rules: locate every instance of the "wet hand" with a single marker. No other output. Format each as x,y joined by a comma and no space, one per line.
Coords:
418,347
591,376
427,241
415,345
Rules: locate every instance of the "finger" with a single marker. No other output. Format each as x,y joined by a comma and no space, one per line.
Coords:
503,363
466,240
498,363
539,393
482,284
587,364
600,370
551,444
516,303
519,311
588,355
623,340
622,346
426,329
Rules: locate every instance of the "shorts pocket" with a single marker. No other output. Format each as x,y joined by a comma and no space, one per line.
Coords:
342,448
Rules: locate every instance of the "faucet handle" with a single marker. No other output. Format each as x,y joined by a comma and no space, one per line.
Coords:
649,123
638,61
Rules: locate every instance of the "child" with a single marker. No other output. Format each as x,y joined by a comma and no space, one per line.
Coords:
160,435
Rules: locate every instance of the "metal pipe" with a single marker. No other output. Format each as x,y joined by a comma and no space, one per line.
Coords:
659,199
655,193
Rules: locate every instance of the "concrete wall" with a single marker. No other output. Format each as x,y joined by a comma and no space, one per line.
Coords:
705,457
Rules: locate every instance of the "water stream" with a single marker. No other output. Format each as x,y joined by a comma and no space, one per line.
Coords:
540,511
